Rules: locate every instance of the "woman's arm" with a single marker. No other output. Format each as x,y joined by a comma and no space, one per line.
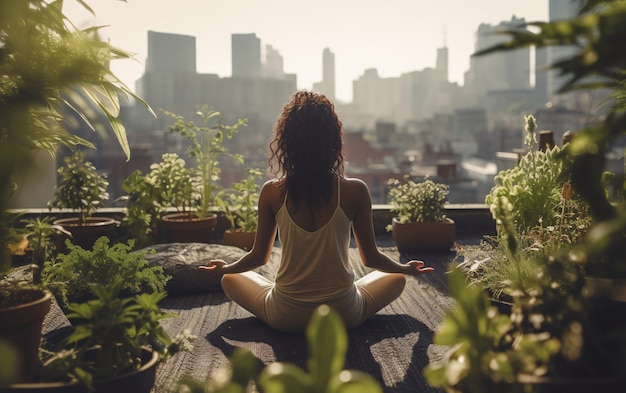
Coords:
363,228
263,242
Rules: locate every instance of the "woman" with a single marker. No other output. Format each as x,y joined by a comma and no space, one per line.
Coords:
314,207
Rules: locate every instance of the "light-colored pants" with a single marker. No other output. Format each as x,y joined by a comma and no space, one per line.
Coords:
256,294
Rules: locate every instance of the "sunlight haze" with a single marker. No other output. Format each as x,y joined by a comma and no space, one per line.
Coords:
395,36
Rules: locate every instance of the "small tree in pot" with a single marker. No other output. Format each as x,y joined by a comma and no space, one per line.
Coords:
81,188
420,222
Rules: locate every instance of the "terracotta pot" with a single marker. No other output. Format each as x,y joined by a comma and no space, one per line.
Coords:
189,228
84,234
239,238
423,236
21,325
138,381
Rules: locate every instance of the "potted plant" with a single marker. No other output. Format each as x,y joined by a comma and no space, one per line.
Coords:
420,223
81,188
40,234
239,204
174,187
33,100
116,346
69,276
546,216
207,148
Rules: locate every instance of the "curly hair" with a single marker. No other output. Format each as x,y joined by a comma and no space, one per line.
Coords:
306,150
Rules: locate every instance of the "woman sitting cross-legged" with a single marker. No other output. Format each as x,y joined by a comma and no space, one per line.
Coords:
314,207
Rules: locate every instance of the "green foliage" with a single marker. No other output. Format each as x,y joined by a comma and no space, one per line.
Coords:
536,213
418,202
328,343
239,202
596,34
207,147
492,352
244,371
537,191
533,188
142,209
49,68
110,333
173,183
40,233
80,186
70,275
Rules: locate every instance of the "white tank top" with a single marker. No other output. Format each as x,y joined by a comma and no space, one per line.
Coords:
314,265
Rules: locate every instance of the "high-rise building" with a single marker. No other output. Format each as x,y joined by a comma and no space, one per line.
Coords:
560,10
509,70
442,62
327,85
328,73
246,55
171,52
273,67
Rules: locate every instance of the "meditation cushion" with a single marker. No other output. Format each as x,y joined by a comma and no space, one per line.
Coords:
181,261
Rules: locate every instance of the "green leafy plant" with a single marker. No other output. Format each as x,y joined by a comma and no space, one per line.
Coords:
70,275
418,202
489,352
142,209
536,212
174,184
207,148
328,343
539,191
80,186
239,202
112,332
49,69
40,233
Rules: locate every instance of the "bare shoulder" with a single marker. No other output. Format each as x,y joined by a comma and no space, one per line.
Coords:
272,184
271,194
354,186
355,196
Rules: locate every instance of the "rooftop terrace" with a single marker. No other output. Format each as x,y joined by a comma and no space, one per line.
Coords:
393,346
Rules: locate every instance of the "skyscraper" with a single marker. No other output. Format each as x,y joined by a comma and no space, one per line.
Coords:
273,67
442,62
499,71
171,52
328,73
327,85
246,55
559,10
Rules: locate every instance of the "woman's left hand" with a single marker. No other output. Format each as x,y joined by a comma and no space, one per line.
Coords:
215,265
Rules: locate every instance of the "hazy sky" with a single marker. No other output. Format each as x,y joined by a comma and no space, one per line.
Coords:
393,36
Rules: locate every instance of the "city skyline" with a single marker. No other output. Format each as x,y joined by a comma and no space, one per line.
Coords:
394,40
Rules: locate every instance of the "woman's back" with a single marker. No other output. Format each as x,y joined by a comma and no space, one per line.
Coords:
314,251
